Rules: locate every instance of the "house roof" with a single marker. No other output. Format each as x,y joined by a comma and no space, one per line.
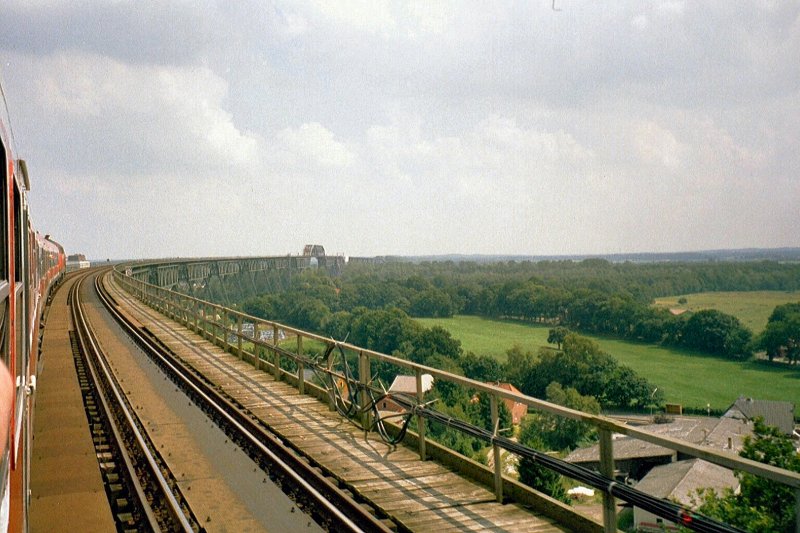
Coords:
711,432
778,414
408,384
517,410
624,448
680,481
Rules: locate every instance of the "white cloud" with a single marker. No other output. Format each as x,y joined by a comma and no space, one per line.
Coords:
371,16
135,117
432,16
657,145
673,7
315,144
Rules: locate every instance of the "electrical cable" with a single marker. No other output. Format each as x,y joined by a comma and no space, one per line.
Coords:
349,408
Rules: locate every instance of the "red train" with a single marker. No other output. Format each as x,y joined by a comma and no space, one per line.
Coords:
30,265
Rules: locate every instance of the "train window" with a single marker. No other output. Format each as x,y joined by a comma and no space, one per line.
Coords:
4,285
24,235
3,214
18,235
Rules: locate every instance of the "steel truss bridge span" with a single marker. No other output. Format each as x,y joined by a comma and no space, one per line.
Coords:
226,279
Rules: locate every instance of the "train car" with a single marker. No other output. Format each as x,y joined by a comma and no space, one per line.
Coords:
30,266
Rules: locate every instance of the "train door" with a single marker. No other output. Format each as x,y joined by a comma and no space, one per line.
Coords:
17,331
18,300
25,330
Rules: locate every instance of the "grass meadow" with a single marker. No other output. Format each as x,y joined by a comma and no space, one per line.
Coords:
691,379
751,308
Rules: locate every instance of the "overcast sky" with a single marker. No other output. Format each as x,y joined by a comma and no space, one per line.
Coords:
208,128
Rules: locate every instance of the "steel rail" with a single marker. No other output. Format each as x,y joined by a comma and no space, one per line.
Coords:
346,513
97,365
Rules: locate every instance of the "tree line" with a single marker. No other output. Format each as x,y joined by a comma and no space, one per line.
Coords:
591,296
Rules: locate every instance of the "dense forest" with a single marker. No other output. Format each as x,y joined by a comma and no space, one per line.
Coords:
591,296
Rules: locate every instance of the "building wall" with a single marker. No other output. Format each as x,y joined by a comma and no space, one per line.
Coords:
647,522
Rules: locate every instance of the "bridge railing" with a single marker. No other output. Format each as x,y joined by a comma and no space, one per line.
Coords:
264,343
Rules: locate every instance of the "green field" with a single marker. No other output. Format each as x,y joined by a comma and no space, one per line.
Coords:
751,308
693,380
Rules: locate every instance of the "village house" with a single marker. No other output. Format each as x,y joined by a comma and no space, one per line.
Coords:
405,385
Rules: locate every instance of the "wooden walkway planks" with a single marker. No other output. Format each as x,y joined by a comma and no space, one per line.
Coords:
420,495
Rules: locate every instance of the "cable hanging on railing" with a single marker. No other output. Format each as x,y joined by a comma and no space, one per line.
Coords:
333,370
347,391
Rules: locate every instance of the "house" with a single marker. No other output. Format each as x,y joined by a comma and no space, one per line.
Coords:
634,458
407,386
679,482
517,410
778,414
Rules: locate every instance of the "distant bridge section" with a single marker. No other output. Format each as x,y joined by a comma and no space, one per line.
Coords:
227,279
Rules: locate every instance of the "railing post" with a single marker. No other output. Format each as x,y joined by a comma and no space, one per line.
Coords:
423,454
363,378
331,391
218,329
797,510
498,465
256,358
239,322
301,382
607,469
276,358
226,328
212,325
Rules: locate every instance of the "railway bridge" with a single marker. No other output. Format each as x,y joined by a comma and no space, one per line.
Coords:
317,397
224,279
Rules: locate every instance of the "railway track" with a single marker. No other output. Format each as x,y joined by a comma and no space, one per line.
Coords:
142,491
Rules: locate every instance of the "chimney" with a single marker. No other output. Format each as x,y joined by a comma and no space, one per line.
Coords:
730,443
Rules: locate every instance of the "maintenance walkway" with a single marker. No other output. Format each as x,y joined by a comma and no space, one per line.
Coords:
417,495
